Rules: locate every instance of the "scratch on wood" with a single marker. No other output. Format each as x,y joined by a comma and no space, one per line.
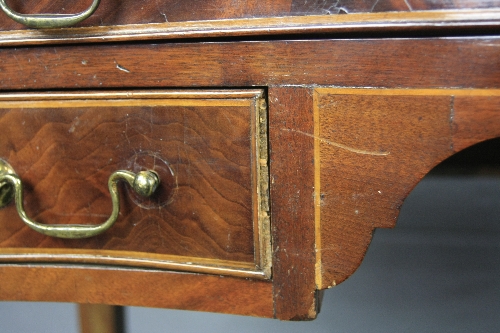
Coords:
82,214
75,123
19,63
408,4
161,12
374,5
121,68
339,145
452,122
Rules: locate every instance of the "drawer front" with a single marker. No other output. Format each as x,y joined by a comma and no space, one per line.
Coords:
209,149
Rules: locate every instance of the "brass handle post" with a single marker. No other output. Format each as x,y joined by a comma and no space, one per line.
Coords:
144,183
48,21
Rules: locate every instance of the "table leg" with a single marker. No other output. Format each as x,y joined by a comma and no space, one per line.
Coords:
96,318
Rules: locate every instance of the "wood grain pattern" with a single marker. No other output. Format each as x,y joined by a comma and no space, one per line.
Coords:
429,22
373,145
420,63
367,6
93,285
475,119
119,12
292,189
374,148
203,149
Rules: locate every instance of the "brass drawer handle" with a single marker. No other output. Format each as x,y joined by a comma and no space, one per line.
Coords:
49,21
144,183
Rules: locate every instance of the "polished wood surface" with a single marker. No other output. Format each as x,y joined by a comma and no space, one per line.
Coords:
475,118
120,12
374,147
424,22
101,285
360,107
292,189
204,150
420,63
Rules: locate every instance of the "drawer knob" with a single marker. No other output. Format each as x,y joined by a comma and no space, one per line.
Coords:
49,21
144,183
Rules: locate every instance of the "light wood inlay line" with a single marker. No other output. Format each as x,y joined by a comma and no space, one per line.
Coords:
412,92
317,189
133,102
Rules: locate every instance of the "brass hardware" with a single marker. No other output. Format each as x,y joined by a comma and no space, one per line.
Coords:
144,183
49,21
6,190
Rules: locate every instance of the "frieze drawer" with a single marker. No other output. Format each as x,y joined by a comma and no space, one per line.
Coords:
209,213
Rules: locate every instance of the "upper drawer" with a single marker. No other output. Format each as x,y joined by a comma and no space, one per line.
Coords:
120,12
209,149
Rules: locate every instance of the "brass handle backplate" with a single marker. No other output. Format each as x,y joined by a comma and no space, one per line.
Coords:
49,21
144,183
